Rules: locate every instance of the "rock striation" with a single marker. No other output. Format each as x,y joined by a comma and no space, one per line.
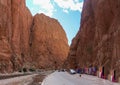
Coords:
49,45
14,34
22,40
5,26
97,42
21,25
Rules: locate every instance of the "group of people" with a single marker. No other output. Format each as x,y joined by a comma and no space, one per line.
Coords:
87,70
92,70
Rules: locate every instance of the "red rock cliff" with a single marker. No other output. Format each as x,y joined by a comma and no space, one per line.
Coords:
21,24
49,44
97,43
28,43
5,27
14,34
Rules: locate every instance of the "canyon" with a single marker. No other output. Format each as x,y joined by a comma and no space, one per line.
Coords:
97,42
28,41
40,42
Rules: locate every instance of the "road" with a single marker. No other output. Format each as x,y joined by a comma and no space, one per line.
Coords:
64,78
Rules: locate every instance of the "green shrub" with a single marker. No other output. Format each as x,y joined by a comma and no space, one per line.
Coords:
20,71
24,70
31,70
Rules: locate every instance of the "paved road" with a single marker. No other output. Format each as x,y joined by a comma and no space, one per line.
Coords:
64,78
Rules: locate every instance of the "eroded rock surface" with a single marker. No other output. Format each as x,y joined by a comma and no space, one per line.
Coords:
21,25
27,43
14,33
97,43
49,43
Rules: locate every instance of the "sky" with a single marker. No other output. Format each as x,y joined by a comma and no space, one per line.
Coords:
67,12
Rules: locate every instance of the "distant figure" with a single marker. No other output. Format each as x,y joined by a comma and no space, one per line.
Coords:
78,70
80,75
100,72
94,70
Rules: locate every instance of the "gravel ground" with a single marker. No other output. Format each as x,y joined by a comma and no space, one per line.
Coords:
21,80
33,79
37,80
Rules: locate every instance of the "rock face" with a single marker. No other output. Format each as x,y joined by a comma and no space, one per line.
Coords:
97,43
20,43
14,34
21,25
5,26
49,45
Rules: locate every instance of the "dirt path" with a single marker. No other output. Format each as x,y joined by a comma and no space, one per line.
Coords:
24,79
37,80
14,75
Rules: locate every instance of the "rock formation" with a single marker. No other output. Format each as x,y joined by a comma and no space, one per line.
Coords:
16,35
49,45
97,43
5,26
21,24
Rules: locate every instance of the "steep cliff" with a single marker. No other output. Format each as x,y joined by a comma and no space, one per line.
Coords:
14,33
28,43
21,24
5,26
49,44
97,43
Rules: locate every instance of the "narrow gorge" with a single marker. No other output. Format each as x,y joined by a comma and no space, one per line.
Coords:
28,41
40,42
98,41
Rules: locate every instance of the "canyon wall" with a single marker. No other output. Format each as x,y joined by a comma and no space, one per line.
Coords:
97,42
5,27
21,25
20,39
49,45
14,33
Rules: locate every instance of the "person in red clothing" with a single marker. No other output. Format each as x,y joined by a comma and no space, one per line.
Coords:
100,72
